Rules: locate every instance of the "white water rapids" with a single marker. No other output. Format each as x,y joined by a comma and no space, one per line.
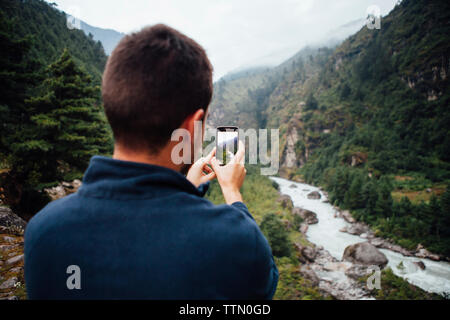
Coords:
435,277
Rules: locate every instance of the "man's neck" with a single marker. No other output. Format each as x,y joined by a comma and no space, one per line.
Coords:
160,159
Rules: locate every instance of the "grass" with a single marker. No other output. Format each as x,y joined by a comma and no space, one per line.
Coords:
418,196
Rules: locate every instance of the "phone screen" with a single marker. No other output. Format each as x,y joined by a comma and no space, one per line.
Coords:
227,144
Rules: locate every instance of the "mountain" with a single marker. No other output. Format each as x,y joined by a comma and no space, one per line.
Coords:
367,120
46,28
108,37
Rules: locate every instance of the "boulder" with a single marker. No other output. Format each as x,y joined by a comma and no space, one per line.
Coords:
303,228
420,264
10,219
315,195
309,274
347,216
293,186
356,271
364,253
308,216
63,189
14,260
308,253
425,254
357,229
8,284
285,201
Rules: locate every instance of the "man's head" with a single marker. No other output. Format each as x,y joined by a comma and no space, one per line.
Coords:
154,80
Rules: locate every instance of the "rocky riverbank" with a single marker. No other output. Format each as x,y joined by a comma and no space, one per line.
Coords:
352,252
12,284
339,279
364,231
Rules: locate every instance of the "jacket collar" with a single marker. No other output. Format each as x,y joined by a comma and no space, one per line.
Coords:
117,179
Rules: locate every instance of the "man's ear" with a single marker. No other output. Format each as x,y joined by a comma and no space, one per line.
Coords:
189,123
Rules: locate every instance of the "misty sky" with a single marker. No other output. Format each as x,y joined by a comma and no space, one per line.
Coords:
235,33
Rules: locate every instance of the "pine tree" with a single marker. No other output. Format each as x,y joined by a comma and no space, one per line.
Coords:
384,202
353,196
68,127
445,213
370,197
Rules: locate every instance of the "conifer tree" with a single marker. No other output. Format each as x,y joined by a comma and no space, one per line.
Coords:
68,124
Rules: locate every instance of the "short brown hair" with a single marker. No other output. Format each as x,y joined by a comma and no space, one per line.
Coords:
153,80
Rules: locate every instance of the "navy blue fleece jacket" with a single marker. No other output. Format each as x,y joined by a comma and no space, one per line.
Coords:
139,231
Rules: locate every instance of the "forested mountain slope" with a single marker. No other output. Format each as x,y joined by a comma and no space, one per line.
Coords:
50,104
369,121
46,28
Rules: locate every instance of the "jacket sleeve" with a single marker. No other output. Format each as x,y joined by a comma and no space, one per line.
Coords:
265,275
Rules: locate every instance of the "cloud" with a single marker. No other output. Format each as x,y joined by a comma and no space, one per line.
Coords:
235,33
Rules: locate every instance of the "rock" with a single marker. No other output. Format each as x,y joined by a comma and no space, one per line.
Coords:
293,186
309,274
356,271
337,266
9,239
306,252
285,201
7,247
347,216
9,218
364,235
425,254
377,242
308,216
364,253
309,253
8,284
15,270
429,190
303,228
357,229
315,195
420,264
14,260
382,243
63,189
344,229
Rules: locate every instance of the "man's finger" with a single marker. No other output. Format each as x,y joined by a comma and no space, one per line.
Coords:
210,155
215,164
239,157
209,177
207,168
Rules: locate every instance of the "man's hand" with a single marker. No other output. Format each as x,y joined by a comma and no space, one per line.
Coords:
231,176
201,172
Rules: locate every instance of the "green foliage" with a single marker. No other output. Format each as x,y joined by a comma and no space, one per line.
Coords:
276,233
51,116
291,285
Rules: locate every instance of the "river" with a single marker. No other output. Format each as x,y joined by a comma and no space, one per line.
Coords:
435,277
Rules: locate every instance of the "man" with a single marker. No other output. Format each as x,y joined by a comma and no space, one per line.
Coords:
138,228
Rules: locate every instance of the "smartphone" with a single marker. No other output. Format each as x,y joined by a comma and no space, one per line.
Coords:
227,141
